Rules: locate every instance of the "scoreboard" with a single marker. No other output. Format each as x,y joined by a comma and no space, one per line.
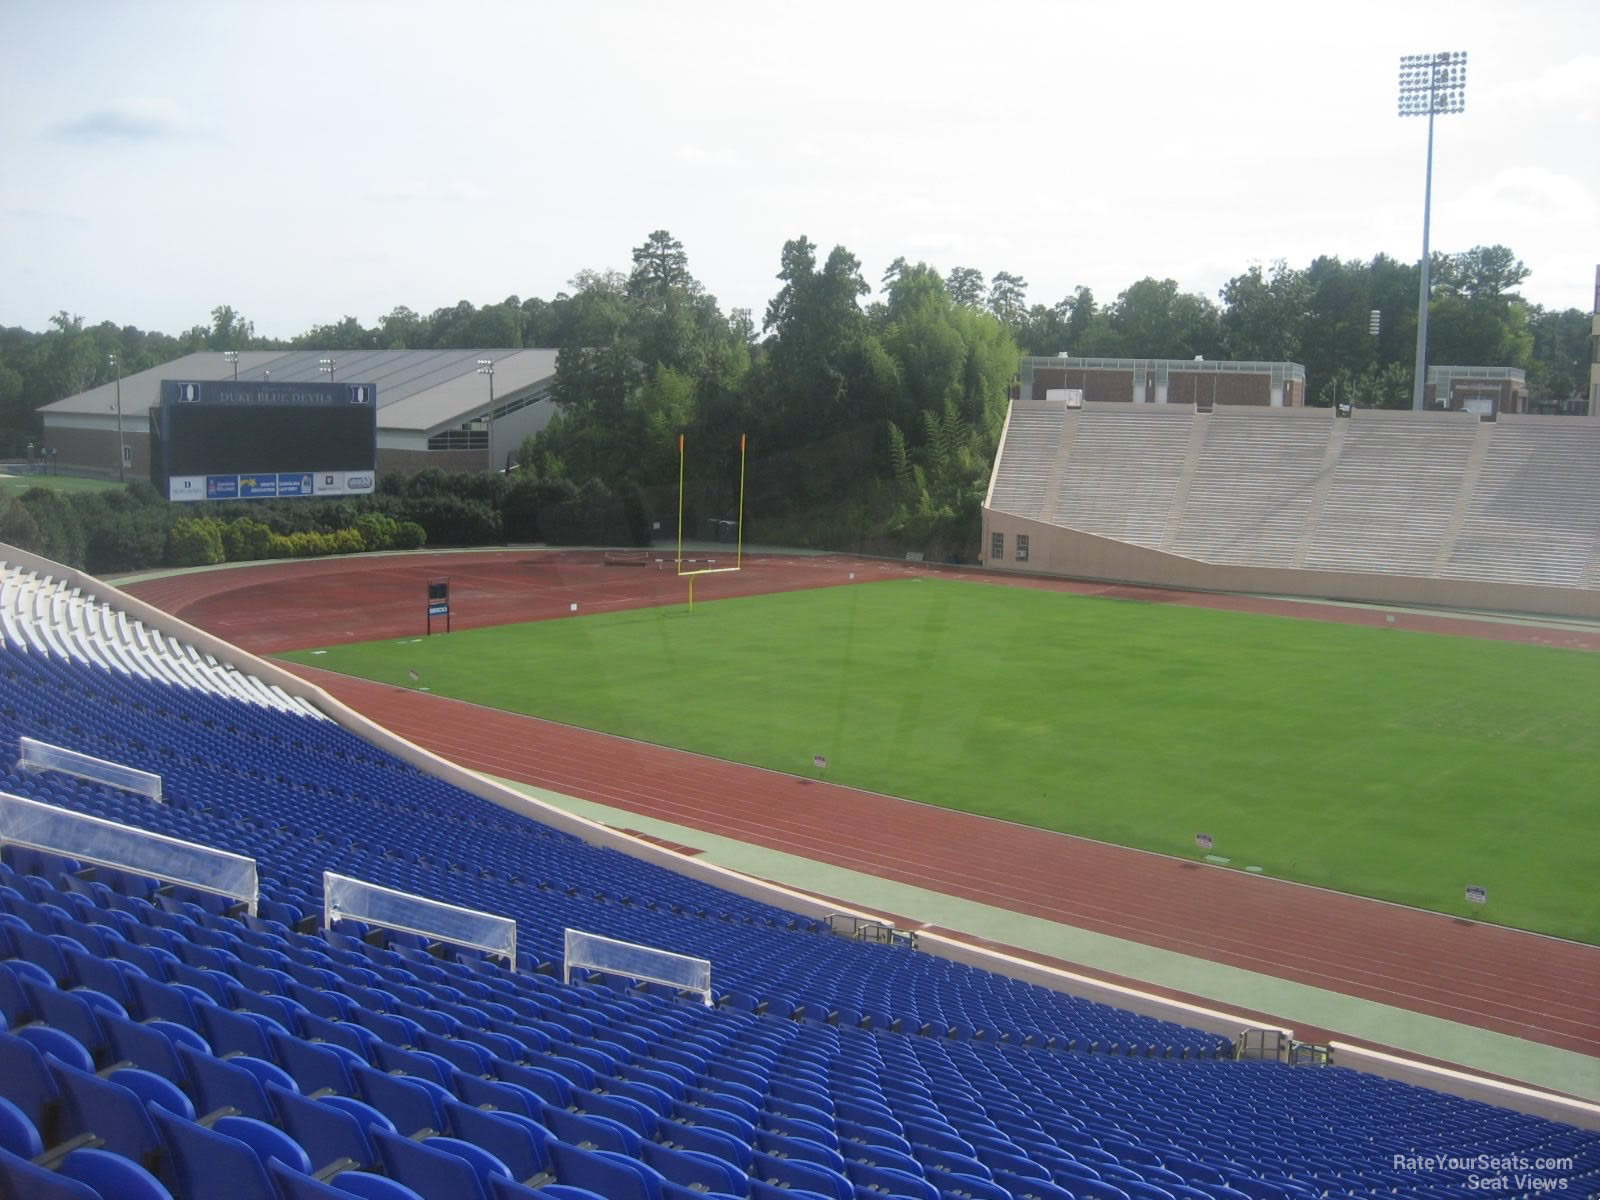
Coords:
247,440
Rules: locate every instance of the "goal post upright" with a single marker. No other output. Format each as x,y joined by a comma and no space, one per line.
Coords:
739,550
680,504
738,557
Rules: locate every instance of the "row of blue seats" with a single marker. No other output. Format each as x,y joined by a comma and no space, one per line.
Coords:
830,971
1080,1137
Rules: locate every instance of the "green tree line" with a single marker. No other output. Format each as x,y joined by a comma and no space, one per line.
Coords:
872,414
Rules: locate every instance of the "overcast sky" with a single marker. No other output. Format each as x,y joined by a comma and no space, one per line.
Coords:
305,161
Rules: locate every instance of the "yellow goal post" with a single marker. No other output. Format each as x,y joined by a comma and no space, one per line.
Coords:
738,558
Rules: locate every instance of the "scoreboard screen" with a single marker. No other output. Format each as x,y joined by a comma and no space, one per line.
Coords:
204,439
246,440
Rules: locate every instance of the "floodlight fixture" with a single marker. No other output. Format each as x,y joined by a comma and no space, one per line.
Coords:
1430,85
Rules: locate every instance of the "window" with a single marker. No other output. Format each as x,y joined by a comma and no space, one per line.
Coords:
1022,547
997,546
127,456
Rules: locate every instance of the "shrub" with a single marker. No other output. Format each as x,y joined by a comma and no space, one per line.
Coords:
61,533
18,528
347,541
410,536
245,539
194,542
377,530
451,521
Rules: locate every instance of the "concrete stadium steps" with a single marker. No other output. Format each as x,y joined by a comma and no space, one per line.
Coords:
1527,522
1424,495
1123,473
1032,440
1392,495
1250,497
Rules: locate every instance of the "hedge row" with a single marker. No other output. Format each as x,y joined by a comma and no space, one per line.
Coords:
134,529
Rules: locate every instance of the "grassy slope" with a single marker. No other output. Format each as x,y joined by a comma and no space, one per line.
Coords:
1375,761
15,485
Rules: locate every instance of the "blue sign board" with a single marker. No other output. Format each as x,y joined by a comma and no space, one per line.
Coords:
438,610
256,391
298,484
258,487
222,487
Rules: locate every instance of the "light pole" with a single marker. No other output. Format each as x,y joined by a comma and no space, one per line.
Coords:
1429,84
233,357
122,452
326,366
486,367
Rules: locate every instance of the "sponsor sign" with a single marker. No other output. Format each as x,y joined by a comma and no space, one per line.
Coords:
222,487
264,391
258,487
186,487
1203,840
439,610
1476,894
359,481
297,484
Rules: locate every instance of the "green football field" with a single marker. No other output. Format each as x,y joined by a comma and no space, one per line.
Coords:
1377,761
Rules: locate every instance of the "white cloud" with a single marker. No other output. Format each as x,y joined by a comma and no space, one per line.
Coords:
1573,87
131,119
430,191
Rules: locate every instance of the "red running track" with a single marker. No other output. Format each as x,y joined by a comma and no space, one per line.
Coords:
1483,975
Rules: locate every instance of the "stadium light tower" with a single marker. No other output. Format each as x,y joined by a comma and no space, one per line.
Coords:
233,357
122,453
1429,84
486,367
326,366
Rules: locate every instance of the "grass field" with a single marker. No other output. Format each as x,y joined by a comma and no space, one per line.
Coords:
15,485
1375,761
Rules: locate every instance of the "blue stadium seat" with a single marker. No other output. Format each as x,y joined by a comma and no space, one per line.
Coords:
330,1135
229,1084
201,1156
111,1175
516,1140
292,1185
20,1179
109,1111
18,1134
437,1168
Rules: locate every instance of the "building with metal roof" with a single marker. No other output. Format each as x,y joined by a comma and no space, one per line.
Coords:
433,405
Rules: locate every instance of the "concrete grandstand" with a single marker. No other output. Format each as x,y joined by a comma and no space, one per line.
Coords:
1441,509
433,405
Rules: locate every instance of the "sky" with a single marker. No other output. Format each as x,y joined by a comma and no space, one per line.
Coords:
305,161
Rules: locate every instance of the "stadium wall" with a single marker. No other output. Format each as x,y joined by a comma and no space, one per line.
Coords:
1055,550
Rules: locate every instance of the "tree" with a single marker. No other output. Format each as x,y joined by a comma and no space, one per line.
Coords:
1560,356
892,273
1262,314
229,331
1008,295
1153,319
966,286
402,329
660,267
